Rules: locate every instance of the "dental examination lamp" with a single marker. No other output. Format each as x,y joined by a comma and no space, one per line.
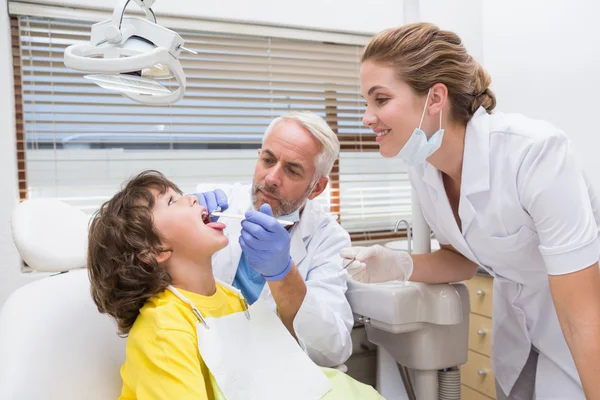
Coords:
131,55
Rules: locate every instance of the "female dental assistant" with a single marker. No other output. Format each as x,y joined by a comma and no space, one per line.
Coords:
501,191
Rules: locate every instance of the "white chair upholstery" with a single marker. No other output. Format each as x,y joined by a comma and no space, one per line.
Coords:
54,344
51,236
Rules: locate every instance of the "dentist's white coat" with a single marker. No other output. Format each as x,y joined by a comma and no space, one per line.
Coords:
526,211
324,321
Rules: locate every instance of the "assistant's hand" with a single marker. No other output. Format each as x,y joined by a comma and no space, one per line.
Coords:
266,243
377,264
212,200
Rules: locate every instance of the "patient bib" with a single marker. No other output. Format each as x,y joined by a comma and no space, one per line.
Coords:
252,356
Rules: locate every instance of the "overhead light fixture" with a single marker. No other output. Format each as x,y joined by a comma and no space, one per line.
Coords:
132,55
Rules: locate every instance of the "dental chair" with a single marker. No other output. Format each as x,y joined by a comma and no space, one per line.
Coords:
54,344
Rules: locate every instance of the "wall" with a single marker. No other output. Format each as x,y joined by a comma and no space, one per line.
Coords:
543,57
348,15
460,16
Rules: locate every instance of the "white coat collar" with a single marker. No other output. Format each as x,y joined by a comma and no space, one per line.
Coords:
476,158
303,229
476,165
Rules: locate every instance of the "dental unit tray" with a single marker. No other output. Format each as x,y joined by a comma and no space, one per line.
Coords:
409,305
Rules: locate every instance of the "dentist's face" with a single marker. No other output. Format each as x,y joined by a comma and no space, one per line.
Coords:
393,109
285,169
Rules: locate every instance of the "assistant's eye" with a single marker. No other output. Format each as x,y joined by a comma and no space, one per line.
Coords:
381,100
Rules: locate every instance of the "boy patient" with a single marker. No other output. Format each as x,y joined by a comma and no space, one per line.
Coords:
150,236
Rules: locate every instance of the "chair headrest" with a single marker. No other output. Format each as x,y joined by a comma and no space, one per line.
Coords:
50,235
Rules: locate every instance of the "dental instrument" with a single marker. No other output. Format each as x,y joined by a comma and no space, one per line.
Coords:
131,55
349,262
242,217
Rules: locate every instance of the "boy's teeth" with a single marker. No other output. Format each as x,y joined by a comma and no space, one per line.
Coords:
384,132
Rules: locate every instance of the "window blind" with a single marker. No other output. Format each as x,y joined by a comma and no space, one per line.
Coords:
78,142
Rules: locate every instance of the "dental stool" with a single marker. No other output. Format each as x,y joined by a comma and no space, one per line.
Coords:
54,344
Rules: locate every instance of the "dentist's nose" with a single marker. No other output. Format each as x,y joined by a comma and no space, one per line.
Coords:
273,178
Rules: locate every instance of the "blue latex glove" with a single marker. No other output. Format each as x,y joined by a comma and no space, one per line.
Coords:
266,243
212,200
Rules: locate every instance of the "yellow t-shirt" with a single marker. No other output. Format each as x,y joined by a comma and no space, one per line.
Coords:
162,359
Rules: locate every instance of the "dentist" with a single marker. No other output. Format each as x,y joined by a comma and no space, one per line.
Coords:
499,191
297,270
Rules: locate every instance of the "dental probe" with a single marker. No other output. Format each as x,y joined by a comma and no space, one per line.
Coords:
242,217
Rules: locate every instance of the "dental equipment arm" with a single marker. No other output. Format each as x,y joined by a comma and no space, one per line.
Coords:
577,301
379,264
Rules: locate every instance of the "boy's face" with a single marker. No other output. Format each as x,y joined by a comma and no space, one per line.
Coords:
184,227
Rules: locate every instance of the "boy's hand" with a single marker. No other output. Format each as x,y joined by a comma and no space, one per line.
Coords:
212,200
266,244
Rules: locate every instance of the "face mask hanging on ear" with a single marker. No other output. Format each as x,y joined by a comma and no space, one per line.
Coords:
418,149
292,217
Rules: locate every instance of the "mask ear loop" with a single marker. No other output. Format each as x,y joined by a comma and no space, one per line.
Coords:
425,109
440,120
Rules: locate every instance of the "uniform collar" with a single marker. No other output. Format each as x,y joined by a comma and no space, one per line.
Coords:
475,171
476,158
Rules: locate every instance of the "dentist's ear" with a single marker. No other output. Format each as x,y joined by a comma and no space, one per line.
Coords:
319,187
437,99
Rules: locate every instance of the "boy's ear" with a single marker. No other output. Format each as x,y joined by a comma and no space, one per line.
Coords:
161,257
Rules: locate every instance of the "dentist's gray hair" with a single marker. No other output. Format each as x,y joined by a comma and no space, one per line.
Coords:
330,145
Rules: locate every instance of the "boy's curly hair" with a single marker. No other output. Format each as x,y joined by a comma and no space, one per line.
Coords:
122,250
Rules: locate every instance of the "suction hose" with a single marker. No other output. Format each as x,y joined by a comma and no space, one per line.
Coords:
449,381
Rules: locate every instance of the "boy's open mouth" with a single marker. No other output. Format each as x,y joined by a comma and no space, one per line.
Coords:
215,225
205,217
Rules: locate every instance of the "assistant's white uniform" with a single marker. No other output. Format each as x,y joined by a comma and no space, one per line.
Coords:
324,322
526,211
